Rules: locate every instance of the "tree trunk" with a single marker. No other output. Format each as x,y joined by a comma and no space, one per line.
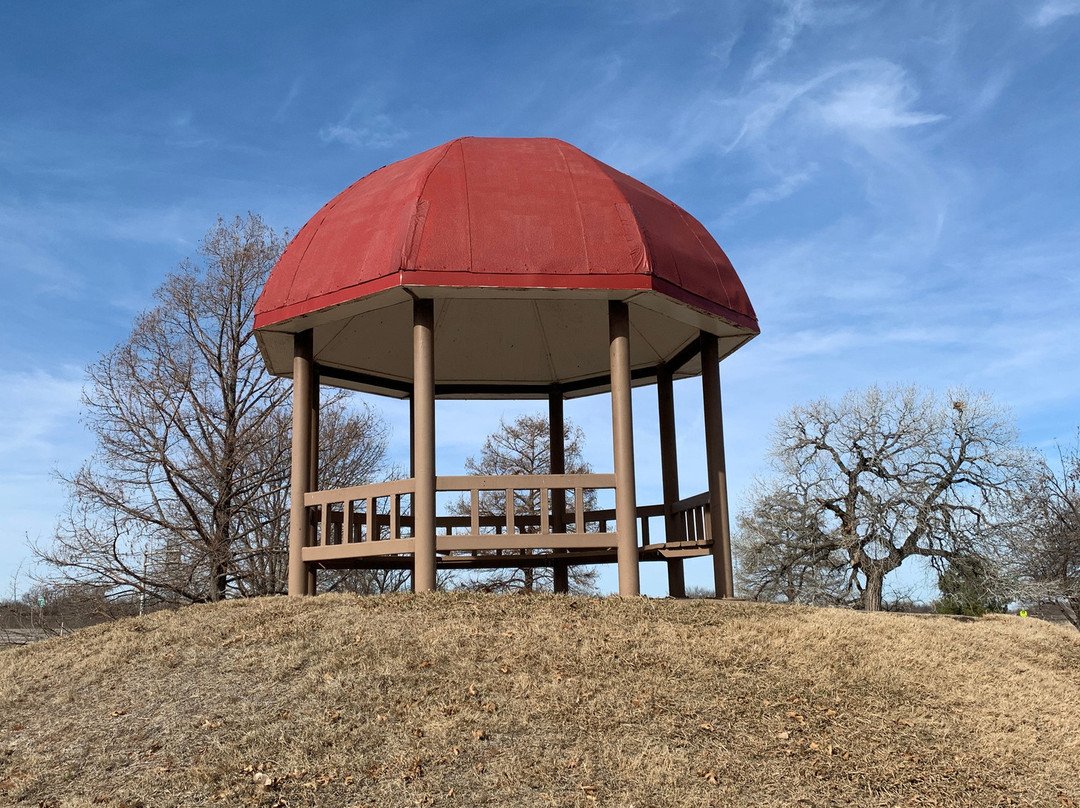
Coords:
220,584
1072,613
871,596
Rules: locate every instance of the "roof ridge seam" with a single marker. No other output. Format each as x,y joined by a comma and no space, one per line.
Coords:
325,211
577,204
468,212
683,216
419,197
646,248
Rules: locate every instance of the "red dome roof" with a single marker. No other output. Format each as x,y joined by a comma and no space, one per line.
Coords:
502,213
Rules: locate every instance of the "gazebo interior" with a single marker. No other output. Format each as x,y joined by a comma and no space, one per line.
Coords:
516,268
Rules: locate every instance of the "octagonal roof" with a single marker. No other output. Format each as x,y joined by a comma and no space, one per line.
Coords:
533,223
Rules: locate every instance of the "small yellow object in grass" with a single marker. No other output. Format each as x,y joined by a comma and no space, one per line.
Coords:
1023,612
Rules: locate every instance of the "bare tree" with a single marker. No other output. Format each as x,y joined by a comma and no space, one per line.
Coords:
1041,561
185,498
772,562
353,451
880,477
523,446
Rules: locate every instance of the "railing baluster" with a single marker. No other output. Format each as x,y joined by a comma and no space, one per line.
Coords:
579,510
371,535
509,511
394,504
545,520
474,512
324,521
346,523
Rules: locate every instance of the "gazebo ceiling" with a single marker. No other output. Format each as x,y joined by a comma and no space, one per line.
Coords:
520,242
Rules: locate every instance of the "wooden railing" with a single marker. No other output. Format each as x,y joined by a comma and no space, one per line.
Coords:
557,519
544,490
692,514
335,520
690,520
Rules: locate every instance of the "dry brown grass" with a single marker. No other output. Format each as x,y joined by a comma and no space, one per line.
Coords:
455,700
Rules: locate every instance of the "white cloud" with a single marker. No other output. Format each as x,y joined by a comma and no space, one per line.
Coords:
1052,11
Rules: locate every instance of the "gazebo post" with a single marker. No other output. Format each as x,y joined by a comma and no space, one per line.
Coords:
412,434
714,449
313,472
674,528
424,444
301,461
622,433
560,570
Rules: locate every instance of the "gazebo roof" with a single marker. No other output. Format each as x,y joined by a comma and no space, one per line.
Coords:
533,223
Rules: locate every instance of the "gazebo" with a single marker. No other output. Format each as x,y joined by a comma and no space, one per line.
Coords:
516,268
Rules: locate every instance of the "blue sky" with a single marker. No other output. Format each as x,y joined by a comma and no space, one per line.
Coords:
896,184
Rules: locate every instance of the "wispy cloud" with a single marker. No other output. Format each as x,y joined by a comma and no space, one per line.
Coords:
883,99
1052,11
794,17
796,14
991,89
41,433
377,131
648,11
294,92
853,99
783,188
182,131
36,409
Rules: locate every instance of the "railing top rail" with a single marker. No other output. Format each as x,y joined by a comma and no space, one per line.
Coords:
695,501
464,482
406,486
490,482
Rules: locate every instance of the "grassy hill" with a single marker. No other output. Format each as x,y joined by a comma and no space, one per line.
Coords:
463,700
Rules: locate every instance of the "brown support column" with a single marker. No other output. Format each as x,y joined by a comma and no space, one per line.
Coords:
622,433
412,433
560,570
674,528
314,463
714,448
424,444
313,473
301,462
